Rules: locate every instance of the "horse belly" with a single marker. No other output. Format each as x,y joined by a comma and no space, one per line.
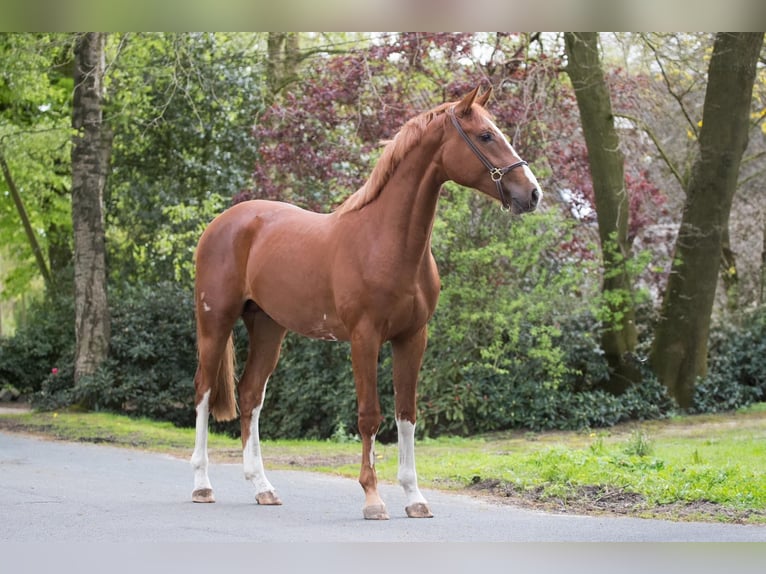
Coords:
294,289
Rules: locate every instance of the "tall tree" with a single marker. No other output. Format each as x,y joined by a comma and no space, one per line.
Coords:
90,157
679,350
606,163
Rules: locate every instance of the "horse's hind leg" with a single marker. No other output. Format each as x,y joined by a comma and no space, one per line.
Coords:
213,384
408,355
203,490
212,350
265,342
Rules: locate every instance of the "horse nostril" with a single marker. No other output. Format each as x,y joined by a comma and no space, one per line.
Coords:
534,197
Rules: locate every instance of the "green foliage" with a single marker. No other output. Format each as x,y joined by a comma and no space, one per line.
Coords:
182,107
42,351
35,119
736,366
512,346
311,393
151,362
508,310
639,444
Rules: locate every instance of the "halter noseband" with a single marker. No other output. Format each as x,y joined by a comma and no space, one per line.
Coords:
496,173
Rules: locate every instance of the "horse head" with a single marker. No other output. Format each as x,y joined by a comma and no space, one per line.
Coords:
476,154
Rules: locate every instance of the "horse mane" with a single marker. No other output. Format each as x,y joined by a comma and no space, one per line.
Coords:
395,150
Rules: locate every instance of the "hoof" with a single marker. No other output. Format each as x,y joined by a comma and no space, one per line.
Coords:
203,495
375,512
419,510
268,498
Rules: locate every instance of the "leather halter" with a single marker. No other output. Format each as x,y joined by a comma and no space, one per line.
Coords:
496,173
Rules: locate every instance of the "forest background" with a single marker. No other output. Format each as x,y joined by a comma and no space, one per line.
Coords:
524,335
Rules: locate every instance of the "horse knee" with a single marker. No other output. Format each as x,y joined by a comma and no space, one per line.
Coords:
369,423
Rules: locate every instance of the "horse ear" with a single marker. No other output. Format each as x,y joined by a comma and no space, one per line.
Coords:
482,99
464,106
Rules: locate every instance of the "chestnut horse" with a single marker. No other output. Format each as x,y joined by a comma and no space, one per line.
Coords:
363,273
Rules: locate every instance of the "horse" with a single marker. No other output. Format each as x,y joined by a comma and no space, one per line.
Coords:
363,273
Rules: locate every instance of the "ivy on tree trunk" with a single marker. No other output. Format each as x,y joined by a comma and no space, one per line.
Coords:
90,156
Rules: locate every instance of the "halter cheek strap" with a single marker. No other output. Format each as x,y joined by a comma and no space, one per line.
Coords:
496,173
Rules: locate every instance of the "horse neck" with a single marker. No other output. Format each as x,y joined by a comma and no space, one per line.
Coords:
406,207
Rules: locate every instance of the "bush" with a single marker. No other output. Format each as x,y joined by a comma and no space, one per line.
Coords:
311,393
151,364
483,398
736,366
513,344
42,349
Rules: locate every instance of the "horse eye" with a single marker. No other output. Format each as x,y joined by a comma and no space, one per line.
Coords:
486,137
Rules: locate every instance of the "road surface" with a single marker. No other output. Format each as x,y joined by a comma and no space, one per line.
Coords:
58,491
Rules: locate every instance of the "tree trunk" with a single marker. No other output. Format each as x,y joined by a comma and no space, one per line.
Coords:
619,337
283,51
90,157
679,350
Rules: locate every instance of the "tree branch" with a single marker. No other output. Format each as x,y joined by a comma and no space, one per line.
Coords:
665,157
759,119
36,250
668,85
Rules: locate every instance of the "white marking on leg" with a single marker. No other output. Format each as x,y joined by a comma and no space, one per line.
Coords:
251,456
372,451
199,458
205,306
407,475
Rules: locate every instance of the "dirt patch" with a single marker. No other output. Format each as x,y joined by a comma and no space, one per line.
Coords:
285,461
603,500
13,425
314,461
13,408
578,500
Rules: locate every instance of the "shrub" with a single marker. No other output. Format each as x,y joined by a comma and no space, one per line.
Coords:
42,349
151,363
513,344
311,393
736,366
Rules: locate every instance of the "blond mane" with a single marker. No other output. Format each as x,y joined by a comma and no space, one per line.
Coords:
394,152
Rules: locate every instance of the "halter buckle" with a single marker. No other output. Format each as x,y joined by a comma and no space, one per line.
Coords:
496,174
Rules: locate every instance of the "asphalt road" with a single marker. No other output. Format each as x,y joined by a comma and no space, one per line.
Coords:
57,491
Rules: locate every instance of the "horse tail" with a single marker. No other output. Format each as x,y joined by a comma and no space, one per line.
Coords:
223,403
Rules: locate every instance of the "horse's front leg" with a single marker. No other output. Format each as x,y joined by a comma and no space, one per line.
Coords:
365,348
408,356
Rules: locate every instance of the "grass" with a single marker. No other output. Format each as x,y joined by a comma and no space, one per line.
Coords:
704,468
